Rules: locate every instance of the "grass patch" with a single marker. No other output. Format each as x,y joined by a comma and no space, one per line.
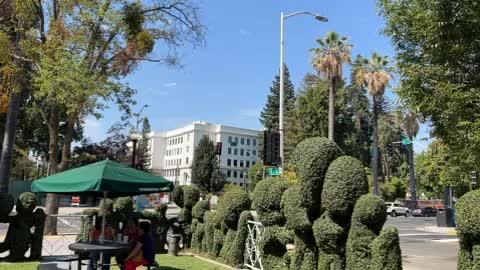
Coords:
166,262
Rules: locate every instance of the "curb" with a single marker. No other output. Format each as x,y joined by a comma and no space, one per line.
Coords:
207,260
435,229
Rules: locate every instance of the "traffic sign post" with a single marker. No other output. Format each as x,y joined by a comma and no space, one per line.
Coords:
406,141
274,171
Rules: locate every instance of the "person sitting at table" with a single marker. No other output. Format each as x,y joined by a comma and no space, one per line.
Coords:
132,231
144,251
94,235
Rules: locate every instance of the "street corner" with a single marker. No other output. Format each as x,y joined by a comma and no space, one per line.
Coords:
436,229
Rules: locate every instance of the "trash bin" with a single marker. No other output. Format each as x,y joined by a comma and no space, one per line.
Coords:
445,217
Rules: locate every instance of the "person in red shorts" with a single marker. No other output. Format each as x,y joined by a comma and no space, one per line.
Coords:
144,251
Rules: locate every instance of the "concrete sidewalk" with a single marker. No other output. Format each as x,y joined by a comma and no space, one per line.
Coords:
436,229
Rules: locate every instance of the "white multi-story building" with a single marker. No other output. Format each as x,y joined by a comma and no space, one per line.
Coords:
172,151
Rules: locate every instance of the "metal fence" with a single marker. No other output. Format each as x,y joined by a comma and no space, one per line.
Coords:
68,228
253,258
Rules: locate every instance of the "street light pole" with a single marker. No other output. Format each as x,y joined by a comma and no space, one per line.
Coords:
134,136
281,128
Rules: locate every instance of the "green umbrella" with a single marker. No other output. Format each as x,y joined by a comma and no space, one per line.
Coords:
103,178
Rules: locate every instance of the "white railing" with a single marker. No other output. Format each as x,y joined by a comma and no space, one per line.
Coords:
253,258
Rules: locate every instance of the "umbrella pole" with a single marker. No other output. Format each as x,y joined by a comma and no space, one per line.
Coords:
104,219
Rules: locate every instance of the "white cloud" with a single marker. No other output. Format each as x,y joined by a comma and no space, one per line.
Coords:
244,32
170,84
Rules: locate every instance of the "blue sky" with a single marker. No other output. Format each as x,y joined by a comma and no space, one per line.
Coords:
227,81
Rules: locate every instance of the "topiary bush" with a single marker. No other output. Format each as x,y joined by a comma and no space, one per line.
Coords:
294,210
198,213
207,241
232,204
386,252
191,195
237,249
267,198
272,247
311,159
345,183
467,215
369,216
177,196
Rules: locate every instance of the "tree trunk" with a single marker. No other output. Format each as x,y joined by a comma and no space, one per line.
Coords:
375,146
413,188
11,121
331,109
51,207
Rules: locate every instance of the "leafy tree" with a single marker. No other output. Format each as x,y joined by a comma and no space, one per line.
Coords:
255,174
328,60
375,75
270,113
436,43
206,173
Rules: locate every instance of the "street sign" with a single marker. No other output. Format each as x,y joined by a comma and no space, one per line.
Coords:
274,171
406,141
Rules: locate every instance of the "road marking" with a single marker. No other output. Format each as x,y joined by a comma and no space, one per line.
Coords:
446,240
420,234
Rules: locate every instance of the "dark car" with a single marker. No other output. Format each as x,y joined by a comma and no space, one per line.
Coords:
424,212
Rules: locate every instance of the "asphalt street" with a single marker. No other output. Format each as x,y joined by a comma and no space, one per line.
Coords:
421,249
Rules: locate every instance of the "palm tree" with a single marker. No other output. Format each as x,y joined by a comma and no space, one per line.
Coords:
375,74
410,125
328,60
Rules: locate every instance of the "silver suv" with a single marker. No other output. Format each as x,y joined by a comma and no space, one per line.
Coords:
396,209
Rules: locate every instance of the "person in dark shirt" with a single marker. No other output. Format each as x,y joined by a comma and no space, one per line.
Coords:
144,251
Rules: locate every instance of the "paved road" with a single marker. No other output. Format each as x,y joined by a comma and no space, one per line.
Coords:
425,250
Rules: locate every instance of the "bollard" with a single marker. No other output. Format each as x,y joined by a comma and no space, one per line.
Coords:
173,244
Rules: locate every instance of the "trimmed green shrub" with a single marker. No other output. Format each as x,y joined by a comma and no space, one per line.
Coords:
345,182
267,197
386,252
197,236
191,195
237,249
227,244
294,210
232,204
199,210
177,196
467,215
304,256
218,239
160,225
311,158
86,223
207,241
330,239
368,218
272,247
105,206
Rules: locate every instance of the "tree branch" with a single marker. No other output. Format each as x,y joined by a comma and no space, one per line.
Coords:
161,8
43,38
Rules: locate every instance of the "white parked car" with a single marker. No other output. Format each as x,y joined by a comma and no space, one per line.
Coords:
396,209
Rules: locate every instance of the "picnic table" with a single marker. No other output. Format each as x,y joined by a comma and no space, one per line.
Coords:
96,246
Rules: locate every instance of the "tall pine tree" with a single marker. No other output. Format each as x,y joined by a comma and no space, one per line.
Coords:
269,115
206,174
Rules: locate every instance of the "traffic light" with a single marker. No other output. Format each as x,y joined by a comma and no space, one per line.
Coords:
218,150
271,148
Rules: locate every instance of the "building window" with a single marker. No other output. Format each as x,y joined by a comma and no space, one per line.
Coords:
254,142
236,140
253,163
181,139
241,184
229,139
235,163
242,141
186,160
247,153
241,152
229,173
235,151
241,175
188,149
247,164
229,162
254,152
180,162
241,163
234,174
248,141
188,137
229,150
